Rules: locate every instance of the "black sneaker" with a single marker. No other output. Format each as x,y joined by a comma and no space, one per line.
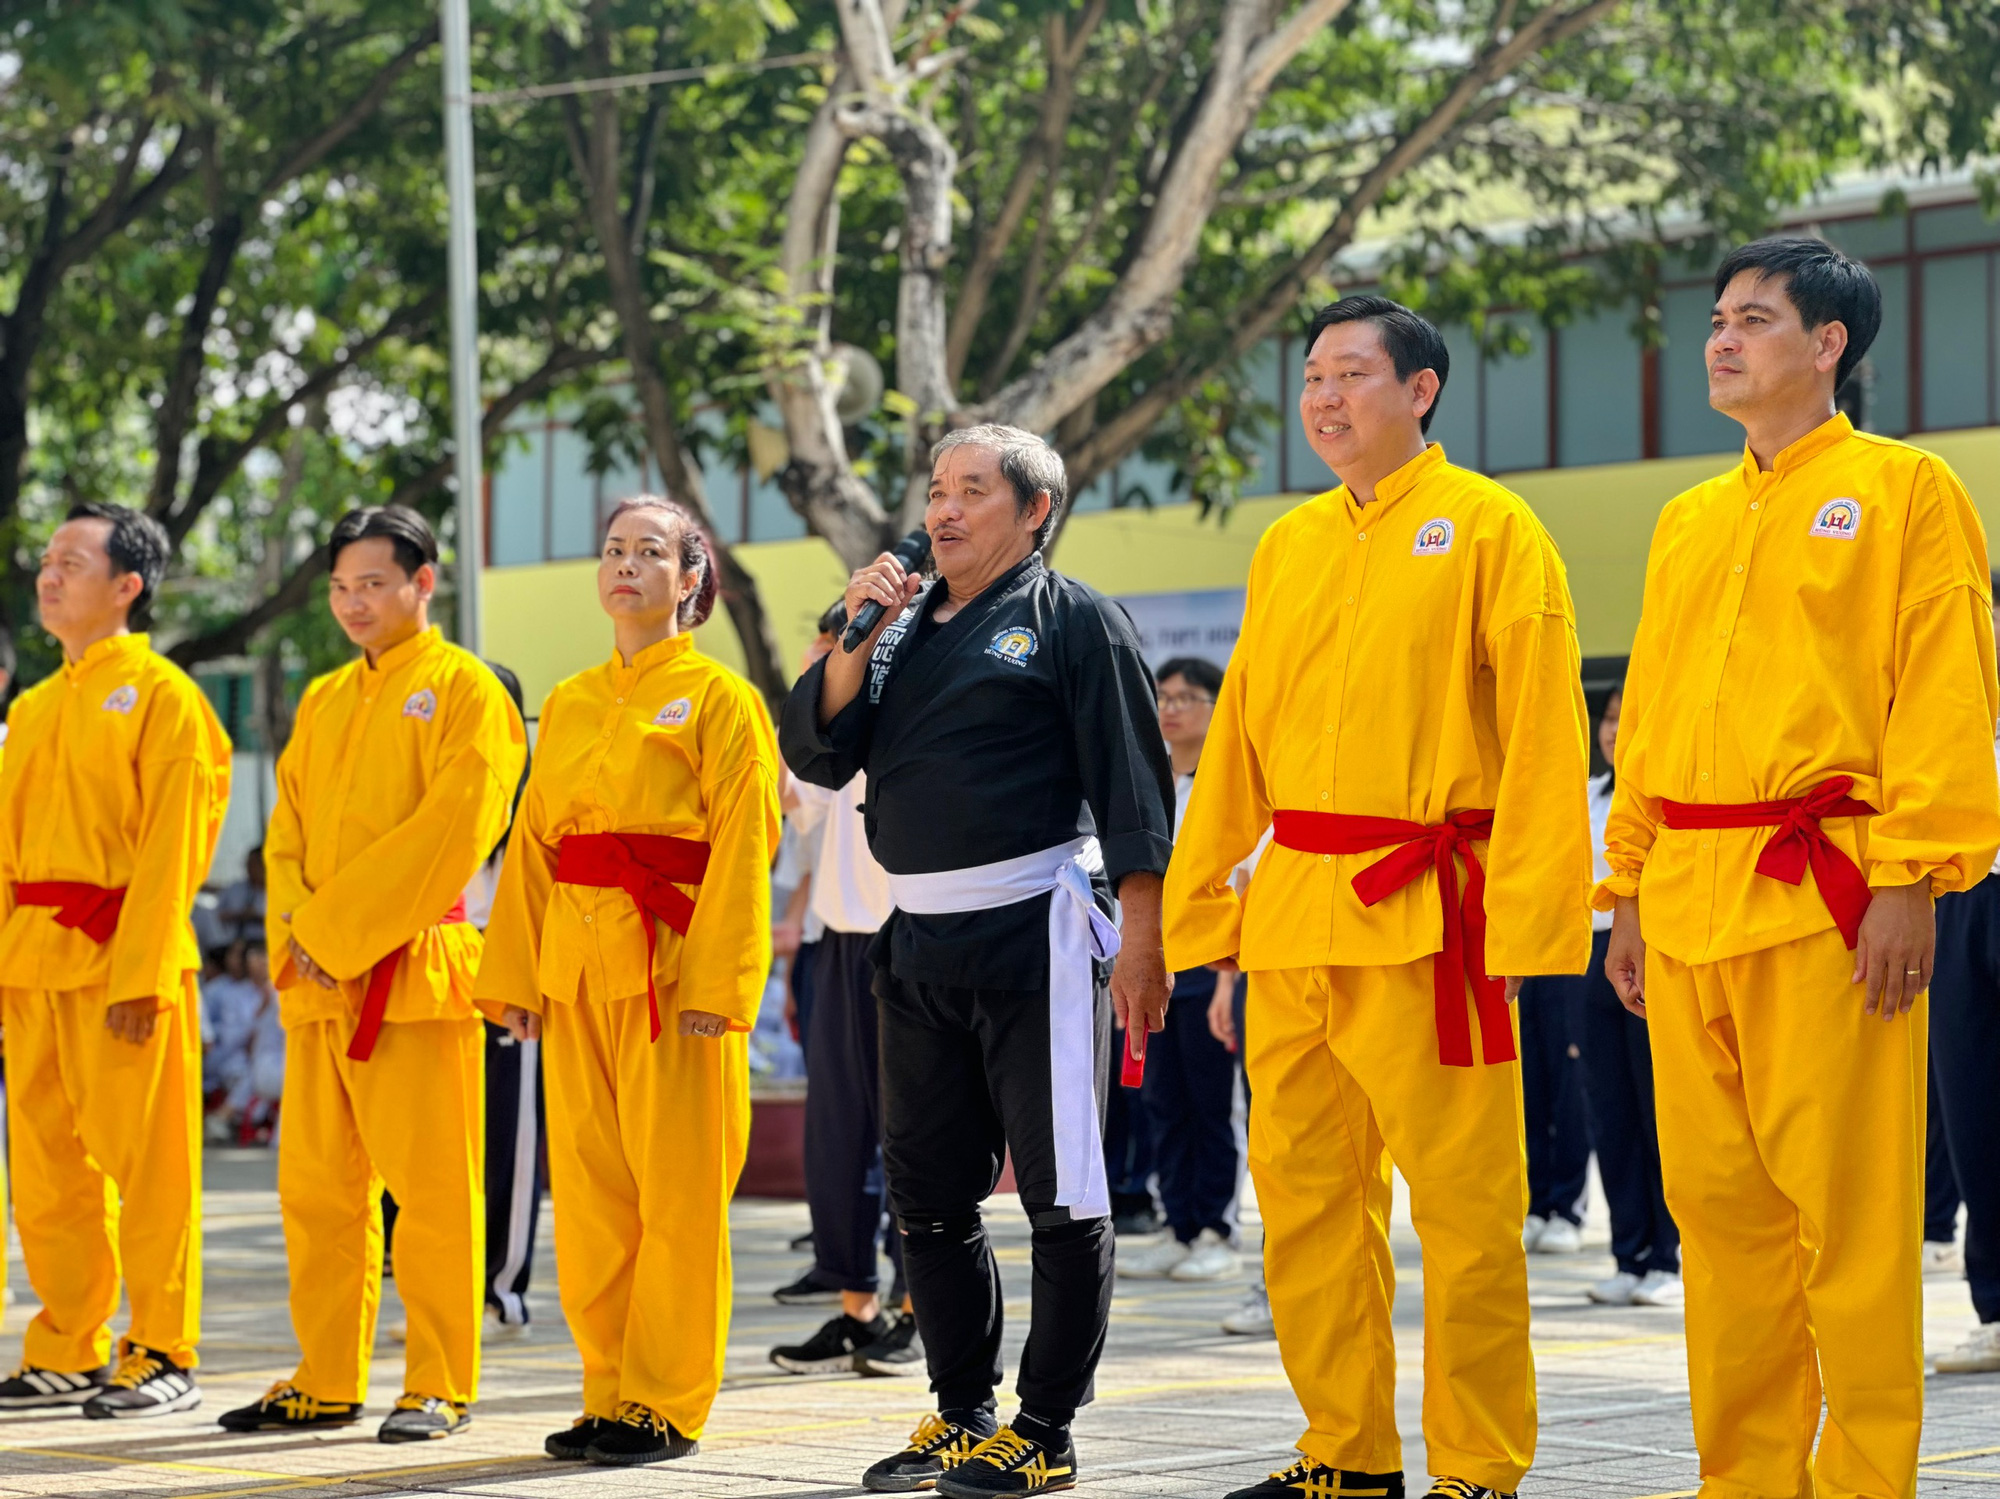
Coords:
1306,1479
936,1446
801,1243
639,1435
897,1351
807,1290
286,1407
1463,1488
29,1387
1008,1463
423,1418
146,1384
831,1350
572,1443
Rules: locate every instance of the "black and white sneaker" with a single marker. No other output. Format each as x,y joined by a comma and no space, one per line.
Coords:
897,1351
936,1447
831,1350
423,1418
807,1290
1464,1488
1306,1479
1008,1465
147,1383
29,1387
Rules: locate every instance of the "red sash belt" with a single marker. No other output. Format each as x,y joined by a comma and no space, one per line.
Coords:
647,867
375,1004
1841,884
1420,847
90,909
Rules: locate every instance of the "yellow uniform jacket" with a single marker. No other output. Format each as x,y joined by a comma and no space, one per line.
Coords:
1829,618
393,791
117,775
673,744
1410,659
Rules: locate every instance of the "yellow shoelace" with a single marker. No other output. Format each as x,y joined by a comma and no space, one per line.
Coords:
1004,1447
138,1366
632,1413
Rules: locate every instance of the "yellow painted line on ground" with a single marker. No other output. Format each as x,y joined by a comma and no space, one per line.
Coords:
74,1456
1591,1345
1952,1457
372,1475
1676,1494
1961,1473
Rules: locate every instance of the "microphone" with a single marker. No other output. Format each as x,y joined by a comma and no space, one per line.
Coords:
913,551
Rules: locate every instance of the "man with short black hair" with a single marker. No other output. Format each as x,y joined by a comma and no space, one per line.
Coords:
395,787
1812,688
1405,701
1003,715
112,794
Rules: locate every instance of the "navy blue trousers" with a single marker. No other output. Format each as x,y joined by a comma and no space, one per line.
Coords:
1128,1135
1940,1181
516,1121
1552,1099
1190,1098
845,1186
1965,1055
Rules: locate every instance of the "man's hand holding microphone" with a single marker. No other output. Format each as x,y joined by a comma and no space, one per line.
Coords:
887,584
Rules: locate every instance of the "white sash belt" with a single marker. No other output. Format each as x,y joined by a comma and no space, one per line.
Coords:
1078,934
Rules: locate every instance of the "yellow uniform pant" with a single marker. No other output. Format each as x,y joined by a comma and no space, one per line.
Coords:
1344,1074
411,1118
1792,1148
646,1140
106,1147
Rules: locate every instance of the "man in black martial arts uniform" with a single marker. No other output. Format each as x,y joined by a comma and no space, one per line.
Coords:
1005,718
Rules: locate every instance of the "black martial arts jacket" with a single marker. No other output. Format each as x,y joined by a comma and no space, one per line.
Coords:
1023,721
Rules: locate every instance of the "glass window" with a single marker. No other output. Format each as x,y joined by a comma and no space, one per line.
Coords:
1950,228
1516,409
572,496
1866,236
1456,421
1260,382
1957,316
1886,370
1598,389
1688,424
518,478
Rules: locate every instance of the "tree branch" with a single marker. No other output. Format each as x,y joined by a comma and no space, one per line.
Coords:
350,119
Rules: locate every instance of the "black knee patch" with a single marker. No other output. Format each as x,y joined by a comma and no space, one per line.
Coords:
1053,1225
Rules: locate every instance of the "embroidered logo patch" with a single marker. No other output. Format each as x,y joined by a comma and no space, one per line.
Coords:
676,713
422,705
1014,645
1839,518
1433,538
124,700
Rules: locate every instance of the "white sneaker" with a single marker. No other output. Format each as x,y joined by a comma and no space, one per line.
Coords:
1532,1230
1253,1318
1153,1261
1210,1257
1559,1236
1978,1354
1659,1288
1943,1257
1616,1291
398,1331
494,1330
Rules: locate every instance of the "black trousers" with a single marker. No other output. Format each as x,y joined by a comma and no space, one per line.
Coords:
516,1121
1940,1181
1552,1099
969,1075
1965,1051
1190,1100
845,1182
1128,1135
1618,1092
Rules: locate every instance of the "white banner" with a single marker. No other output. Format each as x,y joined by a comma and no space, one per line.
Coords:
1203,623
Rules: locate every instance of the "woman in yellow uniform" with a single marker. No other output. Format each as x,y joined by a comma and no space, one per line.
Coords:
632,934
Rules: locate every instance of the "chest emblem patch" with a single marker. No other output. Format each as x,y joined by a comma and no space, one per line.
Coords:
1014,645
422,705
676,713
1433,538
124,700
1838,518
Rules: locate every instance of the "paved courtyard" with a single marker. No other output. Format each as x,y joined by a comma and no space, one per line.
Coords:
1181,1410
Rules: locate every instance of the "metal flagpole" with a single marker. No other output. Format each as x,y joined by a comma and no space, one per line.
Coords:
463,264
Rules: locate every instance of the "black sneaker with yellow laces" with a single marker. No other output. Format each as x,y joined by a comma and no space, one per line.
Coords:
639,1435
31,1387
938,1445
286,1407
147,1383
572,1443
1011,1464
1306,1479
1464,1488
423,1418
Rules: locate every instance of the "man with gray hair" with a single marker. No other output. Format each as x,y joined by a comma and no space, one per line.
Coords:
1004,716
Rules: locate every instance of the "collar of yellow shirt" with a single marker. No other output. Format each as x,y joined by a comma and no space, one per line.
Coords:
403,653
111,648
1391,487
657,654
1834,430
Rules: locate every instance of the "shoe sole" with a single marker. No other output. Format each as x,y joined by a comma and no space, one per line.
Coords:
839,1364
639,1460
186,1402
890,1483
395,1437
1982,1366
953,1490
242,1428
48,1402
817,1298
883,1368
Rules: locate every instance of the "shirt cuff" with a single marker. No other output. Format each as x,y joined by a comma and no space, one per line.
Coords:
1607,892
1896,874
1134,853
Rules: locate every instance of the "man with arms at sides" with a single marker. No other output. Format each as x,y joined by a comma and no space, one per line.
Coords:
1004,717
111,797
1404,709
395,786
1811,689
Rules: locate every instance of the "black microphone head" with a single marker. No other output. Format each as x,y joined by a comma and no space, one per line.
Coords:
914,550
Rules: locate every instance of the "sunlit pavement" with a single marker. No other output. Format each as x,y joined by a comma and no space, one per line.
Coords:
1182,1409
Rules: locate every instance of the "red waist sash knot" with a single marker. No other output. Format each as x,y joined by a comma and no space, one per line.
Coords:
375,1003
90,909
1462,961
647,867
1801,842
